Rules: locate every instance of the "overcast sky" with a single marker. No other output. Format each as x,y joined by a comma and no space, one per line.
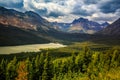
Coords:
68,10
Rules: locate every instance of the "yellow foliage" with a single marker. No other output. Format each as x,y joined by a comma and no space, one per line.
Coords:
22,71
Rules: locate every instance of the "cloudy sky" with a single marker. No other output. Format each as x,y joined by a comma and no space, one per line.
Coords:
68,10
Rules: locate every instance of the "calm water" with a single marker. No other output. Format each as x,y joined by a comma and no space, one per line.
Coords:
28,48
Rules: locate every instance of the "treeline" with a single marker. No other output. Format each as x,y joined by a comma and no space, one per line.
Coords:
87,65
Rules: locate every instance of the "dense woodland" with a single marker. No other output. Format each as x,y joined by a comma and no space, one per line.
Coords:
87,64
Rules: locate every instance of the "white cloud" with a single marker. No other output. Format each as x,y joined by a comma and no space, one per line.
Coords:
65,19
90,8
102,17
63,10
50,6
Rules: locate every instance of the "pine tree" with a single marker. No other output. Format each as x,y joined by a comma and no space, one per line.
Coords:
2,69
41,65
38,66
11,69
29,67
114,60
72,62
47,73
79,61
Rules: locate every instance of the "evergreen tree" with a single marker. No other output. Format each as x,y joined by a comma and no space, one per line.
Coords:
47,73
2,70
79,61
29,67
72,62
11,69
38,66
41,65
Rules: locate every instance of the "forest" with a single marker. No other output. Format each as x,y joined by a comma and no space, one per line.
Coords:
84,63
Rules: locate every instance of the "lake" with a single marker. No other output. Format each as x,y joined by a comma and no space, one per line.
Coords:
28,48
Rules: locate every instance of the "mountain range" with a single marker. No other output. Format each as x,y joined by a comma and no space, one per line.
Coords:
80,25
18,28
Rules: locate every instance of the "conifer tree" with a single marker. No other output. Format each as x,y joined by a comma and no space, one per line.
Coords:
11,69
2,69
29,67
72,62
38,66
47,73
41,65
79,61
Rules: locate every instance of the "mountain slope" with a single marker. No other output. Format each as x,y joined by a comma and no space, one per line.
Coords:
109,35
11,35
22,28
28,20
113,29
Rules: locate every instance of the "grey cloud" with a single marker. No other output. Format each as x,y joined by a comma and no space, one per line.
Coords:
45,12
81,12
46,1
110,6
77,10
105,19
55,14
42,12
91,1
12,3
63,8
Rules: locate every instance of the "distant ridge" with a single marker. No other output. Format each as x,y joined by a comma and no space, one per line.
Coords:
80,25
113,29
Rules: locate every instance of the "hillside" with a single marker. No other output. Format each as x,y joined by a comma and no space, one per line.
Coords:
22,28
113,29
11,35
